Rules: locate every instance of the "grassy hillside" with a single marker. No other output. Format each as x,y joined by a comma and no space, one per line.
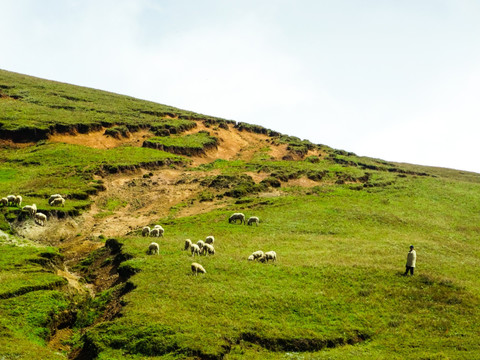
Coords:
340,225
335,292
32,108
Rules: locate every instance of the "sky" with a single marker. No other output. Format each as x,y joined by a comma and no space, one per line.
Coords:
395,80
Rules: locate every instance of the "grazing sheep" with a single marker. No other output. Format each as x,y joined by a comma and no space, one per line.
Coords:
257,254
209,240
197,268
155,232
153,248
237,216
200,244
146,231
251,258
50,199
208,249
195,249
11,199
40,218
4,201
271,255
253,219
188,243
59,201
160,229
32,209
18,200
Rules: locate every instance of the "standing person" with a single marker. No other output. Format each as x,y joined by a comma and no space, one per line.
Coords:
411,260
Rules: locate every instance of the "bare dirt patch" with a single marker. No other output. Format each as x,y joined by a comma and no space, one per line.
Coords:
7,143
143,200
98,140
236,145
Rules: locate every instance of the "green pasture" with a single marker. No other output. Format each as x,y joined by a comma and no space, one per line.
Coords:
337,280
28,104
52,168
335,292
30,297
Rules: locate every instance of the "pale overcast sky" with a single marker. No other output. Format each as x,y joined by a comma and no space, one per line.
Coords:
397,80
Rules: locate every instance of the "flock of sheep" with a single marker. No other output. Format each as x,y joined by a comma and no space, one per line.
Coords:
39,218
205,247
200,248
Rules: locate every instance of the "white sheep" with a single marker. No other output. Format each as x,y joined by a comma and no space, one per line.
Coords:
237,216
253,219
200,244
153,248
257,254
188,243
11,199
40,218
4,201
197,268
155,232
50,199
160,230
146,231
251,258
59,201
195,249
32,209
209,240
208,249
271,255
18,200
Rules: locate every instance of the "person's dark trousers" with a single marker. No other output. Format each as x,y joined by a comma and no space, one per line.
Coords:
407,268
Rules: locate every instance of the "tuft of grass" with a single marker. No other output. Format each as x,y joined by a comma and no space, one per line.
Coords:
192,144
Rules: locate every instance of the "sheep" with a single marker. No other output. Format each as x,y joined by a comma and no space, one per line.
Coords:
208,249
262,258
237,216
40,218
146,231
209,240
4,201
195,249
251,258
188,243
160,230
257,254
200,244
32,209
197,268
57,202
253,219
11,199
153,248
18,200
50,199
270,255
155,232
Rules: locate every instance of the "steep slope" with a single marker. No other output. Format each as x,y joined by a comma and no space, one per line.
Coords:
340,224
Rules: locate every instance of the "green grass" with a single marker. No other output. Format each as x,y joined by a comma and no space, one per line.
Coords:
336,291
188,144
32,169
338,277
36,107
29,300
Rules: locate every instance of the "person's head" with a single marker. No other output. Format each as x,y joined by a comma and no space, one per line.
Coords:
411,247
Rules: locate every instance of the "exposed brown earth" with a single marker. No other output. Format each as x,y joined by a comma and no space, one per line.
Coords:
98,140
